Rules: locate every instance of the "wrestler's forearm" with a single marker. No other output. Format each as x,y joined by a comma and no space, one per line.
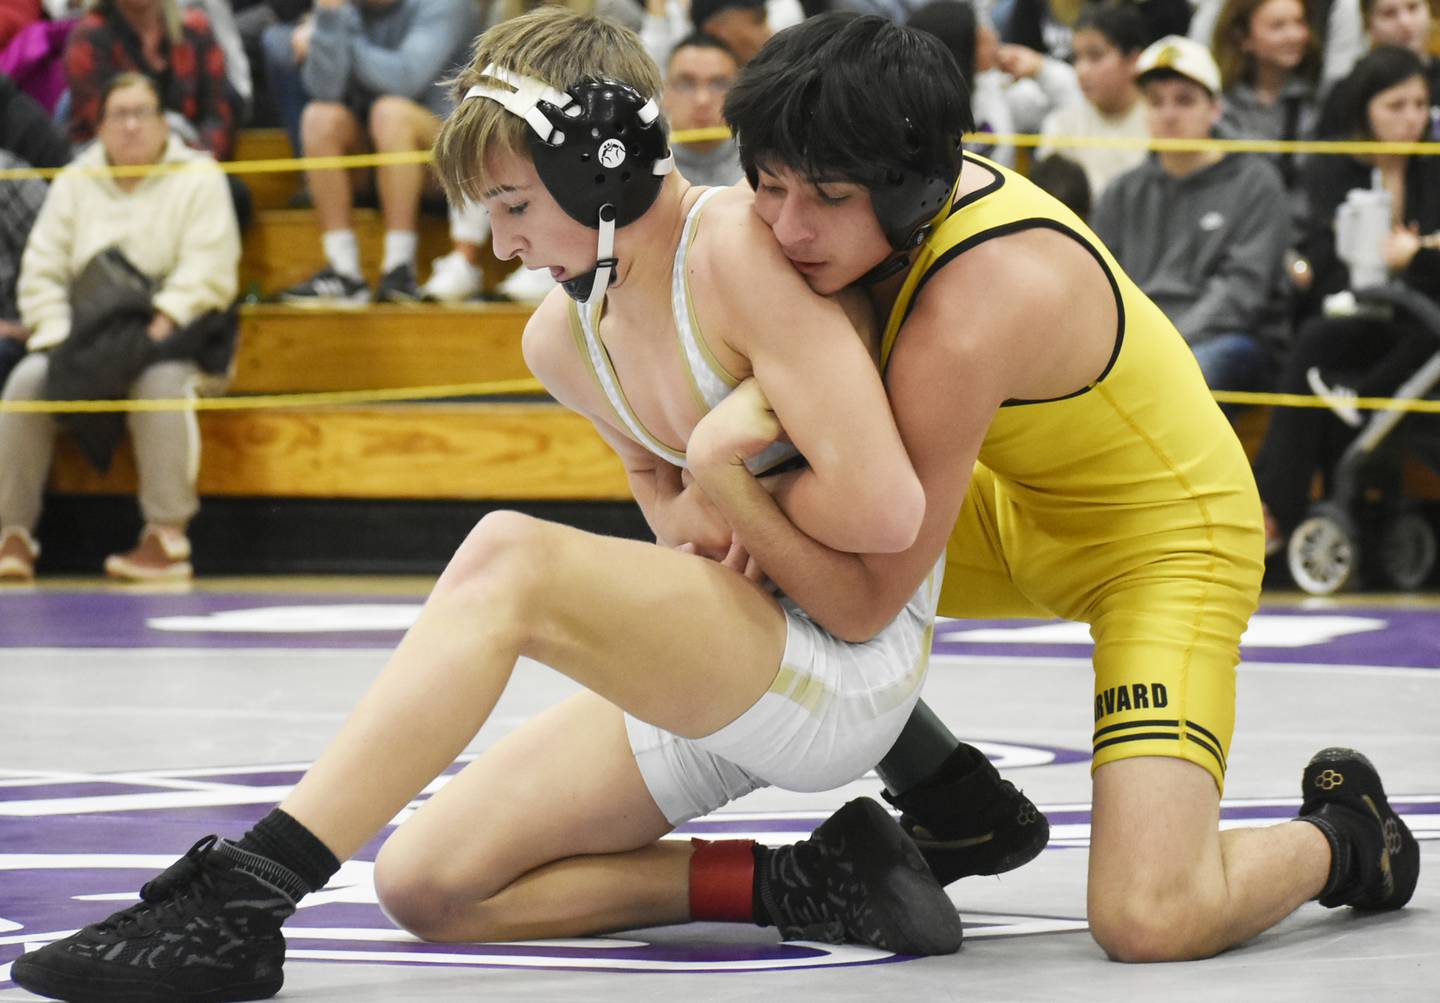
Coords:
837,589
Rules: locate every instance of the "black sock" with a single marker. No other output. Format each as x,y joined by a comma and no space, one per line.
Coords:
761,915
290,844
1337,885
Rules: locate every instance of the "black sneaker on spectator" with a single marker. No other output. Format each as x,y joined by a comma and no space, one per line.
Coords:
325,288
398,285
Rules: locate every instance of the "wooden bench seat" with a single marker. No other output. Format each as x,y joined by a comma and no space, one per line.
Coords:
287,349
511,451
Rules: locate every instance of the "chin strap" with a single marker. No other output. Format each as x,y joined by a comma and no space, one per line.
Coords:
590,288
897,262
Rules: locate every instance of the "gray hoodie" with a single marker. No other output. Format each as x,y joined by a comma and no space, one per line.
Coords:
1207,247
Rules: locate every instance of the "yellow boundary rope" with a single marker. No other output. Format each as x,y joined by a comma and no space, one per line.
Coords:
496,388
334,398
705,135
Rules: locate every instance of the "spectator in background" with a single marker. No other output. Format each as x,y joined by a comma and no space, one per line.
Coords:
1268,65
1038,83
240,89
1198,231
252,19
370,70
27,131
1387,98
175,49
743,25
1043,26
1335,24
699,74
27,139
1066,180
175,227
1407,23
1108,41
20,202
14,15
178,51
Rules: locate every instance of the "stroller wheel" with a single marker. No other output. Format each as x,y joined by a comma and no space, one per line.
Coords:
1324,551
1408,551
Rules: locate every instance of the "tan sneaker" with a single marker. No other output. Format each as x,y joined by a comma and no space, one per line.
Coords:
159,557
18,551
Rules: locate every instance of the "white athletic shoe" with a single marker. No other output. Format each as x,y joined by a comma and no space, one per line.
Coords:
1339,398
452,280
528,285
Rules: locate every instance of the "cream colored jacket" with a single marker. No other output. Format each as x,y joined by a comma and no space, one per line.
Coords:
179,228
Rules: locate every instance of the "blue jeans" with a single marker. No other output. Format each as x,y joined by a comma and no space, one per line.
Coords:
283,74
1234,362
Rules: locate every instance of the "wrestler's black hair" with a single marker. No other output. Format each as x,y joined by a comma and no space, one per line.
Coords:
954,23
850,97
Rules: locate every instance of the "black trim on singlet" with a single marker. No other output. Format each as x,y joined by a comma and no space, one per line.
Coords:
1015,227
1173,723
1188,727
997,181
1218,749
1213,750
1162,736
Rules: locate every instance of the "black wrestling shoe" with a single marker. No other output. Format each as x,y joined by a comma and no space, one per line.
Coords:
859,879
1374,859
207,929
970,820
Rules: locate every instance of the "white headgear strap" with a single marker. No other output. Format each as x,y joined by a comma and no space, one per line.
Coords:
522,101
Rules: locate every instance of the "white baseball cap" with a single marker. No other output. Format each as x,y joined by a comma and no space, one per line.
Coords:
1181,55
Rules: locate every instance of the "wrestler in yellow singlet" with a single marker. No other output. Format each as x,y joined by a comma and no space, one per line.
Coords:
1129,506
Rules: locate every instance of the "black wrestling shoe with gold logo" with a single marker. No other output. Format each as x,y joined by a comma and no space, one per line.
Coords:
1374,858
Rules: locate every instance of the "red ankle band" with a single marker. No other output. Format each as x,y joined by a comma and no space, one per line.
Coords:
722,880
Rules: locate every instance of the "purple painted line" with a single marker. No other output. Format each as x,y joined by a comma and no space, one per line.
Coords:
118,620
272,779
821,961
1411,638
44,792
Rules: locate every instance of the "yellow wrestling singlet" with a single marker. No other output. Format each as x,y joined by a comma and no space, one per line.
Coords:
1129,506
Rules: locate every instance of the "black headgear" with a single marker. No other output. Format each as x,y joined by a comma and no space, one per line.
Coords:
600,151
906,203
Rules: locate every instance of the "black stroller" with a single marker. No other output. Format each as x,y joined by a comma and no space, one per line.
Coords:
1348,537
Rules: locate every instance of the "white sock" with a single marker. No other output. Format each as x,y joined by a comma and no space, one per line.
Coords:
342,251
399,249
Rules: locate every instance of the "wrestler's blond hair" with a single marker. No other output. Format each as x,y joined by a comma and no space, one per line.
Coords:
551,44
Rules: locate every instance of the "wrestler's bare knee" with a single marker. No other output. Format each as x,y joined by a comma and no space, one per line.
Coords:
425,898
507,555
1147,925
